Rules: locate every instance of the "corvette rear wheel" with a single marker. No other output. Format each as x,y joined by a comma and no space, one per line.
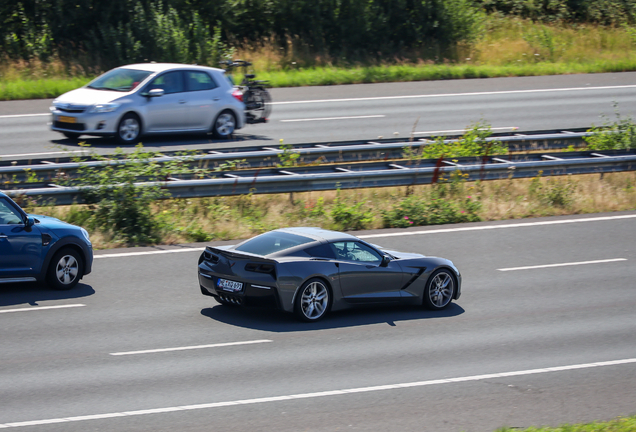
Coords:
439,290
313,301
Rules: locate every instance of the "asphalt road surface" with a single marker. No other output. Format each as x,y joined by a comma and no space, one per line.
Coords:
353,112
544,333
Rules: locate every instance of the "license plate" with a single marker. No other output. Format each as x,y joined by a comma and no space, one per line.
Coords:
65,119
228,285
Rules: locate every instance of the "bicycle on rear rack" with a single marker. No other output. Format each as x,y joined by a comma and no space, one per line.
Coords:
254,92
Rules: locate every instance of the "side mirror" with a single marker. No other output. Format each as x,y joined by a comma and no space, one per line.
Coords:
29,222
154,93
385,261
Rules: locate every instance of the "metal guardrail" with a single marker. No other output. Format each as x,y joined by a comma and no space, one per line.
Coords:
260,157
301,179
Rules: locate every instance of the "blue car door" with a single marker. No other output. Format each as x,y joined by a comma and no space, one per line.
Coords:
20,246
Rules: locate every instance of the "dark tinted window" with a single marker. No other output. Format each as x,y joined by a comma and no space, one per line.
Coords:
199,81
171,82
320,251
271,242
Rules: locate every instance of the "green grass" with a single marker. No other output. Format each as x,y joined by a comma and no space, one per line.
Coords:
509,47
319,76
38,89
621,424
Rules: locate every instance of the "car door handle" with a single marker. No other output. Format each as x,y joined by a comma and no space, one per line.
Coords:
182,101
216,99
3,236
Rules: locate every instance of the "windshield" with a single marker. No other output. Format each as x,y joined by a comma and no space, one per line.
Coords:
274,241
122,80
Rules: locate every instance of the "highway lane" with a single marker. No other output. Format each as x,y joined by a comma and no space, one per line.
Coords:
59,363
336,113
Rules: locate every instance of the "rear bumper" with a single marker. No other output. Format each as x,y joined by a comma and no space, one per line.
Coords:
250,295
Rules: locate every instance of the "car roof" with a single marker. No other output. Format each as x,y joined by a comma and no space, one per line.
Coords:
161,67
319,233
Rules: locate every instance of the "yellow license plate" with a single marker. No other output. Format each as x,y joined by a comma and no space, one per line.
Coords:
66,119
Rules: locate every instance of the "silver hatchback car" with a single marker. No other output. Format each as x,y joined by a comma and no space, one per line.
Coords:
151,98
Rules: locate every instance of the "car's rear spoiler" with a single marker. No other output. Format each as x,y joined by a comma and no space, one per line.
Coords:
236,255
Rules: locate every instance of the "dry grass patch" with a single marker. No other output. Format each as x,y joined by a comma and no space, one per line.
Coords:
227,218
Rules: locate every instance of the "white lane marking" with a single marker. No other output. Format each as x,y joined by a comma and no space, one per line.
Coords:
128,254
323,393
399,234
563,264
417,96
442,95
492,227
41,154
39,308
24,115
333,118
191,347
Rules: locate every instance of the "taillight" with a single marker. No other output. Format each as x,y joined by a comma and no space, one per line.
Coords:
238,95
259,268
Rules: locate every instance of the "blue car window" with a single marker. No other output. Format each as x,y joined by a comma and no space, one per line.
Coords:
8,214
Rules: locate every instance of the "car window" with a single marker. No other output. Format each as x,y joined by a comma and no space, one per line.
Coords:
320,251
120,79
170,82
8,214
355,251
198,80
273,241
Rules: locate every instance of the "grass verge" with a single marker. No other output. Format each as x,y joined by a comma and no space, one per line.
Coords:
508,47
452,200
621,424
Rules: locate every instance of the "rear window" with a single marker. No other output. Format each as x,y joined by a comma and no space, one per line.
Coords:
271,242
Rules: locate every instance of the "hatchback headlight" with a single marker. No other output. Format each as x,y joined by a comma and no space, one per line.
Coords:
105,108
86,236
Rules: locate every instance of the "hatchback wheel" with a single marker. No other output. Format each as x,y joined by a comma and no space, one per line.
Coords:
439,290
313,301
224,125
129,129
65,270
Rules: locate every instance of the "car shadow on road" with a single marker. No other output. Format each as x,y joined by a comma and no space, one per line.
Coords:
32,293
163,141
280,322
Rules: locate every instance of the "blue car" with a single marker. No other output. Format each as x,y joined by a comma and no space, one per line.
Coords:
41,248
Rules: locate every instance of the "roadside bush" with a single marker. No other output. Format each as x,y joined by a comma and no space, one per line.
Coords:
350,217
617,135
473,143
117,205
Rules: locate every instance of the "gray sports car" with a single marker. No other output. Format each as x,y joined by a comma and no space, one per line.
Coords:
310,271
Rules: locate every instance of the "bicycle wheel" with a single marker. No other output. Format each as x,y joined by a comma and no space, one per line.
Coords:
257,105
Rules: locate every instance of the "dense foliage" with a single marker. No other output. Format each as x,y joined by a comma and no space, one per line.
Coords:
610,12
106,34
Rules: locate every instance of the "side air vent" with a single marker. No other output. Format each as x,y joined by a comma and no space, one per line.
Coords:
46,239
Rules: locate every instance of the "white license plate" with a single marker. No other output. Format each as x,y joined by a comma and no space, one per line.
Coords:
228,285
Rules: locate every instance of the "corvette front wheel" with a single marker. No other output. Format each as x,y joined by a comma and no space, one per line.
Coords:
439,290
